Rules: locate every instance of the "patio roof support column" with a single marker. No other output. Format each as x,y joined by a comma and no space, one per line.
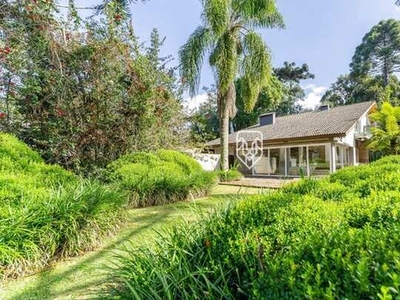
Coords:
354,155
286,162
308,162
333,157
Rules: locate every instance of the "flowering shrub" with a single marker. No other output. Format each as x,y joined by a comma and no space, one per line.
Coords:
84,93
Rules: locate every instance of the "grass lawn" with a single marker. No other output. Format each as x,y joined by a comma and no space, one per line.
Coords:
84,277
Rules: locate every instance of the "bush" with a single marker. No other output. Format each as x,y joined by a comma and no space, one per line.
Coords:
47,212
230,175
158,178
313,239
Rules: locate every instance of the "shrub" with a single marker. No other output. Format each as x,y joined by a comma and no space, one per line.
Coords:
230,175
158,178
47,212
313,239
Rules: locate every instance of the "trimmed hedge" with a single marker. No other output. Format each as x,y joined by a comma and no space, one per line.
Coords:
336,238
158,178
47,212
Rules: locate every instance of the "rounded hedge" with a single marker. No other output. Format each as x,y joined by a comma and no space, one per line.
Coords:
158,178
47,212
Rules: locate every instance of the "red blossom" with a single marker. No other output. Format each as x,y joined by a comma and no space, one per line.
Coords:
2,114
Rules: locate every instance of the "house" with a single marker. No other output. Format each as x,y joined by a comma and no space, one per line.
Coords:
311,143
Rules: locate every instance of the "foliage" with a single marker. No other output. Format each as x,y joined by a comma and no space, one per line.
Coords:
331,238
228,37
373,69
282,95
349,90
379,52
47,212
84,92
386,136
290,76
232,174
158,178
204,121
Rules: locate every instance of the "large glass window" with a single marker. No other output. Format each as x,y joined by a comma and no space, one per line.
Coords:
262,166
297,161
319,160
277,161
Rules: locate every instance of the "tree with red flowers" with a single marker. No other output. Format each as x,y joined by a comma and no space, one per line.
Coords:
85,92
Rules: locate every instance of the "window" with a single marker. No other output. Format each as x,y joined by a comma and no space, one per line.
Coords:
319,160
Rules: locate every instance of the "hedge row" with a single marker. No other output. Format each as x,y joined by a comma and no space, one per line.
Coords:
158,178
336,238
47,212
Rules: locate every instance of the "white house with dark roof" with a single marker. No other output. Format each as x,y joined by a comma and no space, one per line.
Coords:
313,143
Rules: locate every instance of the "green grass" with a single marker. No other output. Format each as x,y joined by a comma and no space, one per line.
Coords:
85,277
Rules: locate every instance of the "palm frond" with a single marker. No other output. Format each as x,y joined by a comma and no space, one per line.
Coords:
224,59
259,13
256,68
216,15
191,56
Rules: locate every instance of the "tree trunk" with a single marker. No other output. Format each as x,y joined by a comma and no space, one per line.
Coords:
224,131
227,109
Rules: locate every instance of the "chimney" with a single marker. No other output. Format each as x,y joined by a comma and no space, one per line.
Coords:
267,119
324,107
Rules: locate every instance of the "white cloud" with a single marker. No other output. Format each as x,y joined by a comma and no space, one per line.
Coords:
314,94
194,103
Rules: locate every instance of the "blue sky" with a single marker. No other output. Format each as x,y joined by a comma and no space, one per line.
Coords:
321,33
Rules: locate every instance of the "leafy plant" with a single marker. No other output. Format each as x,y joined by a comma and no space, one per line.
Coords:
386,136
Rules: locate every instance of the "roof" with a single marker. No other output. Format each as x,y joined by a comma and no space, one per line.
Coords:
335,122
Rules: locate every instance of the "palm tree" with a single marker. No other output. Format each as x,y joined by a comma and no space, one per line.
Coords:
228,37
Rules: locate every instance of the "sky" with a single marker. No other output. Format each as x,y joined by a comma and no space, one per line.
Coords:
321,33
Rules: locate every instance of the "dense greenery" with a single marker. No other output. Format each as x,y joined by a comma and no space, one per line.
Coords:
283,95
84,92
158,178
386,135
332,238
373,70
47,212
228,36
204,121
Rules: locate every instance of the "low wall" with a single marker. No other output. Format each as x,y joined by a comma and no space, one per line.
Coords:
209,162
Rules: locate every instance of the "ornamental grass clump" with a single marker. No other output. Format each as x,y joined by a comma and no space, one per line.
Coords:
317,239
158,178
47,212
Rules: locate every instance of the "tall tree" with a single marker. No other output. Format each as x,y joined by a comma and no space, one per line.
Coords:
291,75
348,89
204,121
84,96
228,36
379,52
